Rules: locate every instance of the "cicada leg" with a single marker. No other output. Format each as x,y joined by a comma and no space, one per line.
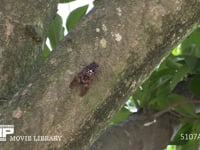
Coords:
84,89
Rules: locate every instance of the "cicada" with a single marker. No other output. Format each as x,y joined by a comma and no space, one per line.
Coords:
84,78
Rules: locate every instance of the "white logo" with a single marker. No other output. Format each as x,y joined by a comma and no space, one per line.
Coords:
5,130
9,129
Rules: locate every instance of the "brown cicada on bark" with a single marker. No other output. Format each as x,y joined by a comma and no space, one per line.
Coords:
84,78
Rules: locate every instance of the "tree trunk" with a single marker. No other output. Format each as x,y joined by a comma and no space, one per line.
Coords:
127,39
23,34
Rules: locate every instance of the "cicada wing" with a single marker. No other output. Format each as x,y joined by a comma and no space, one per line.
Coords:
75,82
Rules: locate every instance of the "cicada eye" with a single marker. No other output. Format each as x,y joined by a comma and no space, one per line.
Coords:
91,71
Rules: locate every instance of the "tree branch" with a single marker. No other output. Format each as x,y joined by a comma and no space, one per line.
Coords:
126,39
133,134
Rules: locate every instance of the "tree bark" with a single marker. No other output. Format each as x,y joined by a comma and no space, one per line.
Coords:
138,132
127,39
23,33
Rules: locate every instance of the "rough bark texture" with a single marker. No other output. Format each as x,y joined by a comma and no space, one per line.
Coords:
126,38
135,134
22,30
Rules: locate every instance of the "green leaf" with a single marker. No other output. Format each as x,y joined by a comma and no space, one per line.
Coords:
161,77
192,50
178,76
196,127
56,31
195,85
177,51
75,16
192,137
193,63
163,90
191,44
161,101
191,145
174,62
46,51
154,86
143,95
183,107
120,116
171,147
65,1
179,138
158,103
186,109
